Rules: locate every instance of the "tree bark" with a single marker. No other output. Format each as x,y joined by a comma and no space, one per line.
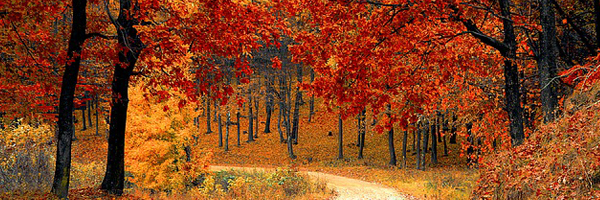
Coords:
208,129
434,143
597,21
250,118
227,123
128,55
269,104
418,140
547,61
60,184
238,128
297,105
83,119
404,146
340,138
361,130
312,97
220,128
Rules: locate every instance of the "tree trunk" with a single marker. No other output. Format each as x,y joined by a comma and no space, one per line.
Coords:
250,118
297,105
362,129
115,164
340,138
83,119
597,21
89,109
404,145
220,128
511,76
256,119
312,97
227,123
279,121
60,184
434,143
418,141
238,128
548,60
269,104
208,129
97,116
391,146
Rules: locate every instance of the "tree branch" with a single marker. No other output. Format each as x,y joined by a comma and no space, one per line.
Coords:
100,35
475,32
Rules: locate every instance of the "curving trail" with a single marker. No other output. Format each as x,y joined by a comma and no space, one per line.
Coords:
346,188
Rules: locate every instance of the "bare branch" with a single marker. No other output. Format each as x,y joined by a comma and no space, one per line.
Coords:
100,35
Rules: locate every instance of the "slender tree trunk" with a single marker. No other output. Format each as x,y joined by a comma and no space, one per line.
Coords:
269,104
404,145
418,141
215,112
312,97
60,184
220,128
548,60
208,129
434,143
340,138
297,106
83,119
391,146
281,104
362,130
238,128
89,109
256,119
425,144
227,123
128,38
250,118
97,116
597,21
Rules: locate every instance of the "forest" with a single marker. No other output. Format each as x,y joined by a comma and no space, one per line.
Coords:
300,99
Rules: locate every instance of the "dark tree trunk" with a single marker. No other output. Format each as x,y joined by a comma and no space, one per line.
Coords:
60,184
83,119
89,109
597,21
220,129
391,147
414,141
208,129
453,131
470,149
215,112
312,97
404,146
250,118
434,144
297,106
227,123
340,138
508,49
362,129
547,61
256,119
269,104
511,76
128,38
238,128
418,141
97,116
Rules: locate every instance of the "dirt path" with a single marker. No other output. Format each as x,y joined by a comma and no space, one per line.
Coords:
346,188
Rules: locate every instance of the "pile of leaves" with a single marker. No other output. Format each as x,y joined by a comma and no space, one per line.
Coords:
559,161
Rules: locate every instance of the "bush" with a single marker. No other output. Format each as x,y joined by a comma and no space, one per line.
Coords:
26,159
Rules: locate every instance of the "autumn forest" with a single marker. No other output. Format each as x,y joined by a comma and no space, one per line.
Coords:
300,99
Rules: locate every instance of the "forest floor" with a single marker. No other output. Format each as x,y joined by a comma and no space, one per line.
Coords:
345,188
